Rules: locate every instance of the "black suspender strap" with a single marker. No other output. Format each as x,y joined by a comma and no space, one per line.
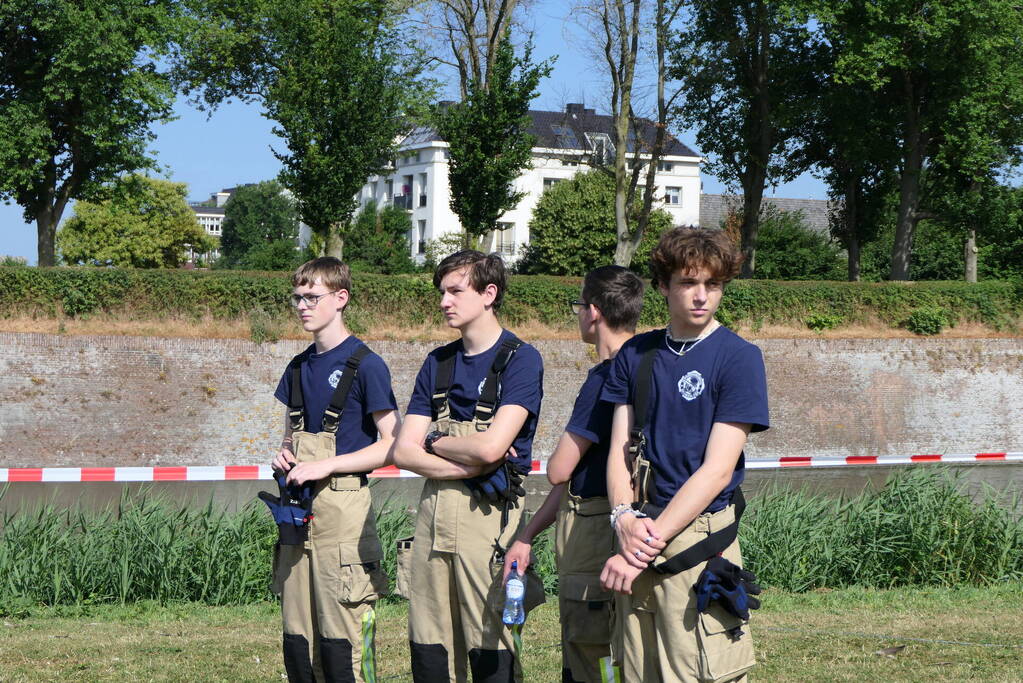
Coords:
641,405
444,376
332,414
487,401
713,544
644,384
296,405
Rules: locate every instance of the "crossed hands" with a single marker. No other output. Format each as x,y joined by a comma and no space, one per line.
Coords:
639,542
301,472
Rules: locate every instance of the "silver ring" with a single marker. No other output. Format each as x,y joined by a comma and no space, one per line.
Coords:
638,553
648,540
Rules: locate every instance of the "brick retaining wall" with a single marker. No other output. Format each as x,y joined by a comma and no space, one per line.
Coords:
75,401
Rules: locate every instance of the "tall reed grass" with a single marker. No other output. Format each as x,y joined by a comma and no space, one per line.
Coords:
921,529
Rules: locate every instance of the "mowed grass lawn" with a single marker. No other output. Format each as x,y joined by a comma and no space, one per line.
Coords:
949,635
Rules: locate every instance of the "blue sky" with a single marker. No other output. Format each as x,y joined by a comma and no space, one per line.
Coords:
233,146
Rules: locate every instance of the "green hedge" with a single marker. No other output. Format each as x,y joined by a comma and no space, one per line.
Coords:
411,299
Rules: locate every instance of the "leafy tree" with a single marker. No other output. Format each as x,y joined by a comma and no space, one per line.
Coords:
938,245
260,228
788,249
335,76
142,223
951,72
743,68
568,234
489,141
467,33
80,87
378,241
620,29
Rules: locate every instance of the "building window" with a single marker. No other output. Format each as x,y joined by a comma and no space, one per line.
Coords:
548,182
421,246
422,189
673,196
504,238
570,162
564,137
665,167
447,154
602,147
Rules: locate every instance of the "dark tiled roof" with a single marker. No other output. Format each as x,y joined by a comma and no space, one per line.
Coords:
421,135
715,207
574,123
581,121
219,210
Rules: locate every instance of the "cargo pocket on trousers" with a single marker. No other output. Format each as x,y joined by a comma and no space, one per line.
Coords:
362,577
403,584
726,648
535,595
586,610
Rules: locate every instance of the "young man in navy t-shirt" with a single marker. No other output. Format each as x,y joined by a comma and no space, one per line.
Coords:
483,392
607,311
329,584
706,391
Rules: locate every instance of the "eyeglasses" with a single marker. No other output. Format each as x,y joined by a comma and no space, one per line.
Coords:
311,300
577,306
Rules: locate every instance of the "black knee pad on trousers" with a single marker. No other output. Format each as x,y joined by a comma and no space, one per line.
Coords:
566,676
429,663
492,666
296,659
336,658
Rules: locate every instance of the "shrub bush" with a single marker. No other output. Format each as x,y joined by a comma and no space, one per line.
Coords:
410,300
823,321
572,230
787,249
927,321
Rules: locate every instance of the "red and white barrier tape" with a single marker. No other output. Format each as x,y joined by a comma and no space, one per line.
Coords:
253,472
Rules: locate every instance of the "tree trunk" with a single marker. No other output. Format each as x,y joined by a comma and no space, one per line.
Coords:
905,223
626,249
46,232
752,199
851,215
971,256
853,248
909,189
755,174
335,243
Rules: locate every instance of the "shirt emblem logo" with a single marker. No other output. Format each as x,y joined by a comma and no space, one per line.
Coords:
479,389
334,378
691,385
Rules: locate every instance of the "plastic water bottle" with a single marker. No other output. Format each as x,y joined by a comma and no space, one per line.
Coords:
514,594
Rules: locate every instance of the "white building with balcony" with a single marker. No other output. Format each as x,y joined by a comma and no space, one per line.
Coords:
568,142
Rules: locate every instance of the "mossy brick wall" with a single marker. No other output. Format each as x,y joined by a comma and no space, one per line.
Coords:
83,401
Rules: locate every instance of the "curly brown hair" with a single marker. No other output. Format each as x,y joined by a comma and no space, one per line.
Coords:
689,249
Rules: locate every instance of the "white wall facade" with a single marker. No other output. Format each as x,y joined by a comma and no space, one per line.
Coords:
418,182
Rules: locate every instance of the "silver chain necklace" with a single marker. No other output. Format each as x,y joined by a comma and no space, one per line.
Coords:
688,343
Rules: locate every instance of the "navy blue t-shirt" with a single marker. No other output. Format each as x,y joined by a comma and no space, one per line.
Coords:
370,392
720,379
521,385
591,419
